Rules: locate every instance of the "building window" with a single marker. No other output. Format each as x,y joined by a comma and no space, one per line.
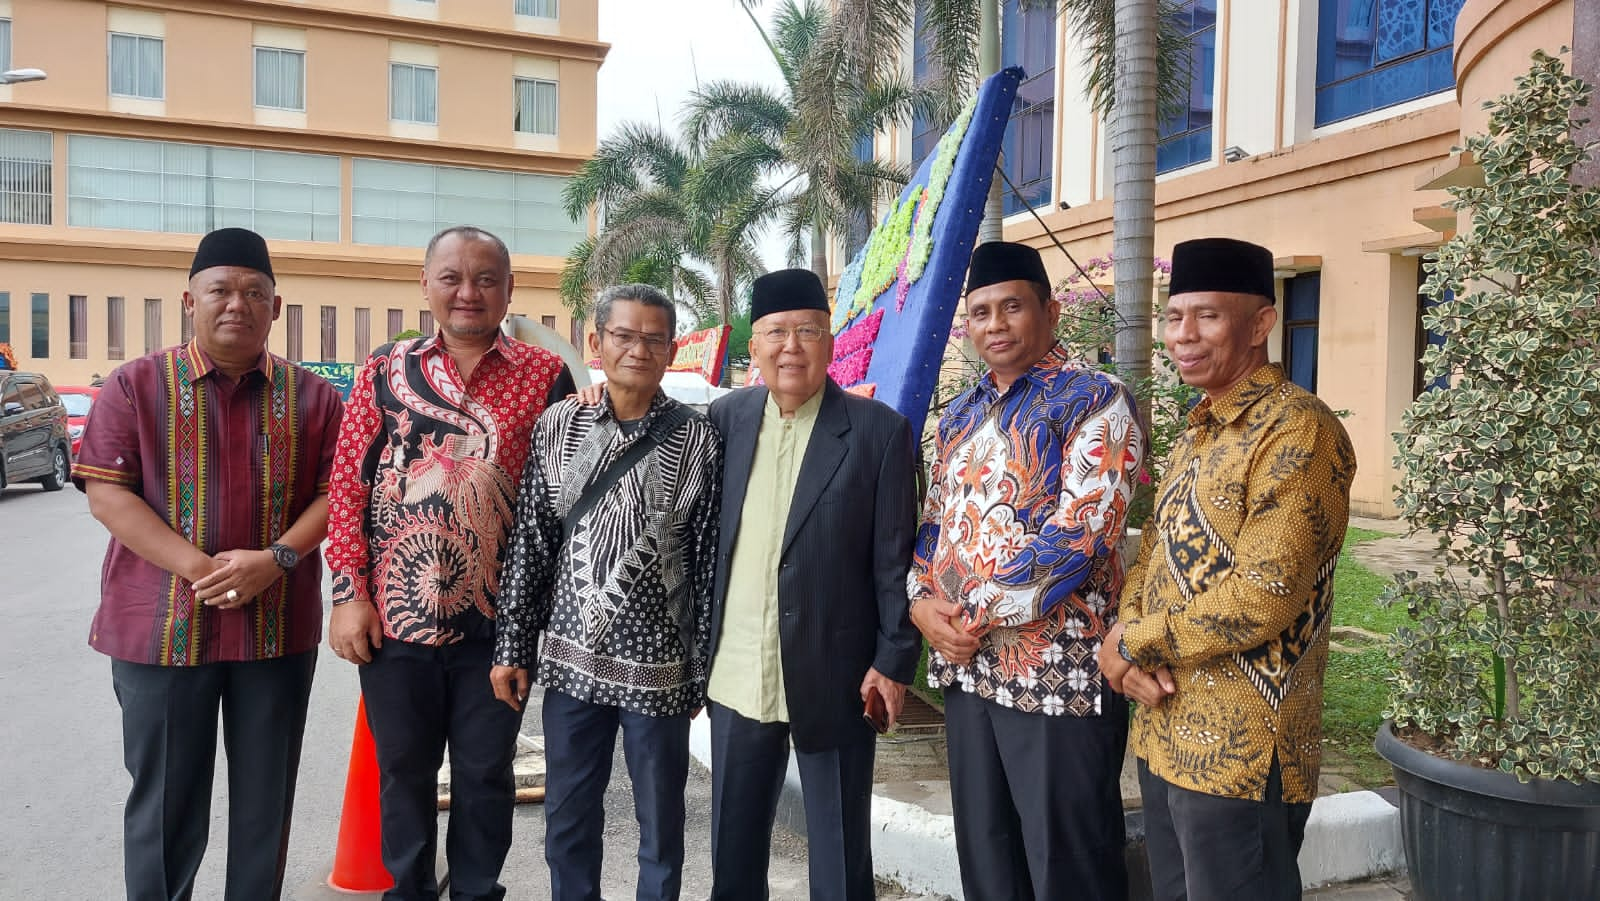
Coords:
185,327
535,106
363,333
5,317
925,132
77,327
548,322
152,325
577,333
1427,338
196,188
405,204
330,334
5,44
1302,304
116,329
413,93
294,326
25,177
544,9
136,66
1185,138
41,326
280,78
1373,54
1028,39
425,323
396,323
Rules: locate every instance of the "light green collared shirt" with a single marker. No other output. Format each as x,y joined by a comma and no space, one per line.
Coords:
747,672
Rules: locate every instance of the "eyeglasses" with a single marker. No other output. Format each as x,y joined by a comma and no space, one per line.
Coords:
656,345
777,337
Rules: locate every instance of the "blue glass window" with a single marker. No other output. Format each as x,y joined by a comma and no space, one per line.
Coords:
1427,338
1028,39
925,132
1377,53
1302,308
1185,139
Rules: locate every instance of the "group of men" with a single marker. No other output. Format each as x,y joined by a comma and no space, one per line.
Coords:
487,530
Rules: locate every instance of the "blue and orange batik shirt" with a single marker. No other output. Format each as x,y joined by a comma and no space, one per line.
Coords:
1022,528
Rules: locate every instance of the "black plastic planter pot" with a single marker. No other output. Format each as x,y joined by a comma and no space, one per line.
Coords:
1472,833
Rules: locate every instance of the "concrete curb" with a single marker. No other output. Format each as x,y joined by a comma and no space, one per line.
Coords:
1351,836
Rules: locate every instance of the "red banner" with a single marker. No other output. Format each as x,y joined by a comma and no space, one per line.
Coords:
705,352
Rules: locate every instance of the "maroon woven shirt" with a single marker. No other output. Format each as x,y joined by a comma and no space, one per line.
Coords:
229,466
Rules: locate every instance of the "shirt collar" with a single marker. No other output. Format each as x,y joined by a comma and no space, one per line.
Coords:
1240,397
204,365
435,343
1054,360
807,410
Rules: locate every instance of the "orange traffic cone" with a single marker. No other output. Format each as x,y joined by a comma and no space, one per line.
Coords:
358,859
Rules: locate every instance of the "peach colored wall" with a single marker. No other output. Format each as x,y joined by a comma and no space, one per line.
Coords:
1495,39
347,82
475,95
210,68
136,284
209,65
66,38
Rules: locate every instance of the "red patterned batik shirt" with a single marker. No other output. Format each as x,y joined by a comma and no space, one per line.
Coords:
1022,528
424,481
229,465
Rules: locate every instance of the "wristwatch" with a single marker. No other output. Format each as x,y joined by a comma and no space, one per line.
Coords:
1122,650
286,556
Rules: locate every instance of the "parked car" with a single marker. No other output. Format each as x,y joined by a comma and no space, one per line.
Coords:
34,444
77,399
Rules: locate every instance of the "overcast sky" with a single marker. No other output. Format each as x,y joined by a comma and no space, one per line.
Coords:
660,47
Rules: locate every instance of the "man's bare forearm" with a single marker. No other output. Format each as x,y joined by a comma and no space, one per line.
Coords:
131,521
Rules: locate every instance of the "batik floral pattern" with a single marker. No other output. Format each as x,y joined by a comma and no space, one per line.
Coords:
1022,529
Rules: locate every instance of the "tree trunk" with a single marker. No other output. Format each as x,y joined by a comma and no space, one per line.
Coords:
1133,156
988,64
819,253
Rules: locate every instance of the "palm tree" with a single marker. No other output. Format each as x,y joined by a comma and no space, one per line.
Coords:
803,136
658,223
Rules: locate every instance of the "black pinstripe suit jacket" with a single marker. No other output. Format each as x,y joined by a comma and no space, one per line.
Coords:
846,549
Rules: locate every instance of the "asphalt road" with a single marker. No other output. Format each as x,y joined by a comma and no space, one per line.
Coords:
62,784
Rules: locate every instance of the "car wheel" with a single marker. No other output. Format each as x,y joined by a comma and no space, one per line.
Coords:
60,470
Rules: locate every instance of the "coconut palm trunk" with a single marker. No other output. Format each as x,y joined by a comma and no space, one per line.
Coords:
1133,160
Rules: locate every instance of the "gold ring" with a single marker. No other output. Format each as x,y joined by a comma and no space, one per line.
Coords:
233,595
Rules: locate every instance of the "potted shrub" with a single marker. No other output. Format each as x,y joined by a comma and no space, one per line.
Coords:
1495,708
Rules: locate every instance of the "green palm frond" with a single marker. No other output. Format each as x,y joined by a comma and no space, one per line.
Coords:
637,155
797,28
575,279
951,29
728,106
1093,22
732,165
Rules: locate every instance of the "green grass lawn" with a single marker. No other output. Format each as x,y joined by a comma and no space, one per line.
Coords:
1355,688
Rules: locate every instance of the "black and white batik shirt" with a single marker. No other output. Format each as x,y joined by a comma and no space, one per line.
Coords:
624,602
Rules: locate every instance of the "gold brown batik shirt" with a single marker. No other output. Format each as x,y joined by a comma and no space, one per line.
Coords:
1233,590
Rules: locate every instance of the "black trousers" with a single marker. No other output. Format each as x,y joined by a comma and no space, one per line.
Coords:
1037,801
419,699
1206,848
580,740
169,745
748,763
